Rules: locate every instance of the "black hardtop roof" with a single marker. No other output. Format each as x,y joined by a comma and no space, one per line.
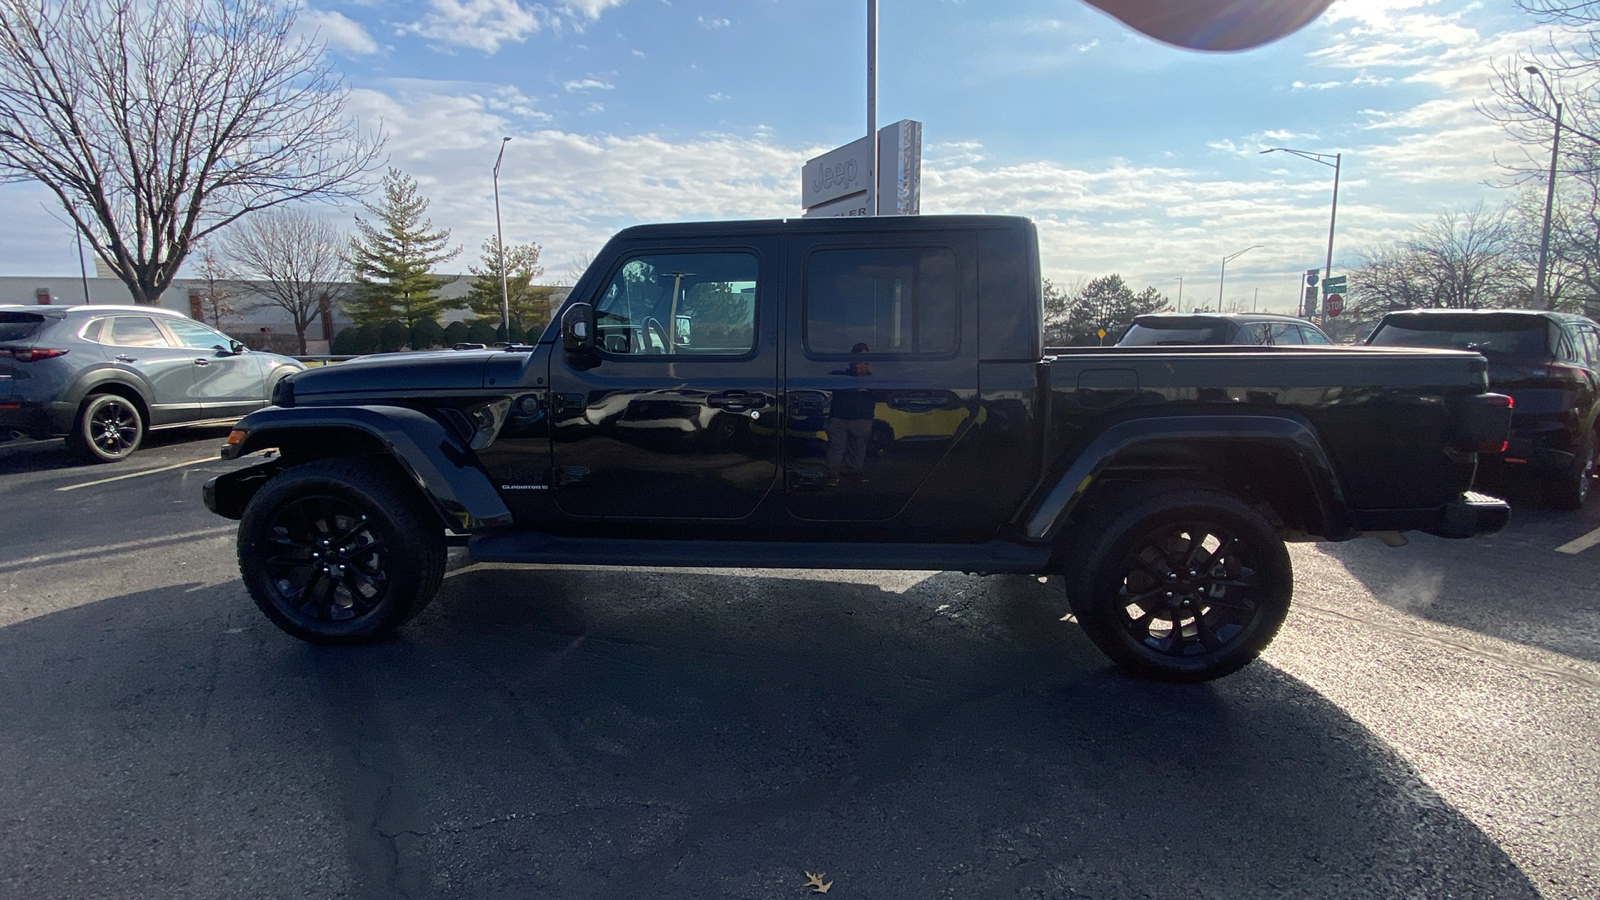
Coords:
835,224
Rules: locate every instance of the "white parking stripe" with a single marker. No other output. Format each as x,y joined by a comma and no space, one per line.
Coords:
1581,544
192,462
69,555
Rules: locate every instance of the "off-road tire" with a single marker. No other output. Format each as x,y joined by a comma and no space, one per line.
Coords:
1184,554
318,537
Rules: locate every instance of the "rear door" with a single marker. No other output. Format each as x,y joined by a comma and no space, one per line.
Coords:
673,415
878,382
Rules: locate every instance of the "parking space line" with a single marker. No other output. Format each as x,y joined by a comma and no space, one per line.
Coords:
1581,544
192,462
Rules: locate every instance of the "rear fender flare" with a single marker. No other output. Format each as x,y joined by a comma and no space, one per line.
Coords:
433,457
1292,435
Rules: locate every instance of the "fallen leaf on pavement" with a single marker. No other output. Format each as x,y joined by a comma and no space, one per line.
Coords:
815,882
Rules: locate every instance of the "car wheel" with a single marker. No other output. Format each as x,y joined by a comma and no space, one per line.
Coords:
340,551
108,429
1571,489
1180,583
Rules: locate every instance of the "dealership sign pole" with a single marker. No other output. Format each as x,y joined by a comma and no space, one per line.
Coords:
872,104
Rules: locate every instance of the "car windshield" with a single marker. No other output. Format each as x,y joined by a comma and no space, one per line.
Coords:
1187,330
17,326
1509,335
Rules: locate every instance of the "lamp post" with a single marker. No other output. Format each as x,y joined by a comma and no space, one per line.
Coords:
1224,274
1180,293
1327,267
1549,193
872,104
500,246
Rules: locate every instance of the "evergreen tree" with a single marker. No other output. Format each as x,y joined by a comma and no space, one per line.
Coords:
482,331
425,334
392,258
1109,303
347,342
529,303
455,333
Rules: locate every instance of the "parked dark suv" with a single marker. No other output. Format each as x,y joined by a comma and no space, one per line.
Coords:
1255,329
105,375
1549,363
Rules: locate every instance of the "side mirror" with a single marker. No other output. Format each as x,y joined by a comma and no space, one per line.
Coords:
577,328
235,347
681,329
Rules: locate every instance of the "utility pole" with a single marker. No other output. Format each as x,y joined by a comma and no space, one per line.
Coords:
500,246
872,104
1549,194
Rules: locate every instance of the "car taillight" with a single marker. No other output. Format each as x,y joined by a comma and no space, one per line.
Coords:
1489,423
1569,374
33,354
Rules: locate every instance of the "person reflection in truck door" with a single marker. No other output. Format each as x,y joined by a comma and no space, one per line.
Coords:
850,422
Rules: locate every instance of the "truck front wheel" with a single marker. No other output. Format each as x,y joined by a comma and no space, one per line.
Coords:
340,551
1185,584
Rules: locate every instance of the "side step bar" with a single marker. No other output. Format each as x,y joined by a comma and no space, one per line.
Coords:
992,557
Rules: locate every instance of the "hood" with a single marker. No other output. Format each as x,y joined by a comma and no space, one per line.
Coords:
398,373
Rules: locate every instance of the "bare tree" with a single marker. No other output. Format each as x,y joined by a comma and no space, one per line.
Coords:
1569,68
575,269
1461,260
157,122
216,300
293,259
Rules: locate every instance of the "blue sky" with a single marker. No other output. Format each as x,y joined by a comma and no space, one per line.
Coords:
1134,157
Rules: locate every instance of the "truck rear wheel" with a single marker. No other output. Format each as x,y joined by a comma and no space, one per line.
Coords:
340,551
1185,584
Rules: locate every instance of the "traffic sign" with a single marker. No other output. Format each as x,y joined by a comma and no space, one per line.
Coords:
1333,284
1311,278
1335,304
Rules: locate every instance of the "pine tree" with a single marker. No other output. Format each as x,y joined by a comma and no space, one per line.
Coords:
392,258
529,303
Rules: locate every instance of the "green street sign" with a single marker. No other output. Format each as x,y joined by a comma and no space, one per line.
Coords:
1333,285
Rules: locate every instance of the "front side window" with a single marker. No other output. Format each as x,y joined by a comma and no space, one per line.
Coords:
1313,336
136,331
695,304
888,300
196,336
1285,334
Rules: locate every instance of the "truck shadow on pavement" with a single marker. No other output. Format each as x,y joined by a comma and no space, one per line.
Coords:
581,733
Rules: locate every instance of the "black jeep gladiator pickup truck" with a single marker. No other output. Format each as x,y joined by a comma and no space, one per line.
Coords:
855,393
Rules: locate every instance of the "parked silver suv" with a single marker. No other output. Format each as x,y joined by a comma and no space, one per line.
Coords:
103,376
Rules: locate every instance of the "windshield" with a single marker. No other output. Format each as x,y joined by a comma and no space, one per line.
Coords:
1187,330
1509,335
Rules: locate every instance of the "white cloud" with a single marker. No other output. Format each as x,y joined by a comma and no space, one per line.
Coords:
713,22
588,84
1318,86
337,31
480,24
589,8
718,97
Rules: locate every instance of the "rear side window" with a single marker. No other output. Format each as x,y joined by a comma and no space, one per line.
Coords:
1313,336
135,331
1591,344
902,301
1526,337
19,326
1285,334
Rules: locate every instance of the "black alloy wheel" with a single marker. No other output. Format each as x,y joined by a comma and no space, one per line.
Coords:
108,429
330,566
1184,585
1571,489
340,551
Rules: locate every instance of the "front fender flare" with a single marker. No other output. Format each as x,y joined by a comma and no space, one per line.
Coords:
432,456
1294,436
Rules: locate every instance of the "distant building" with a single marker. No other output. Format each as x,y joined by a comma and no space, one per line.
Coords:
252,319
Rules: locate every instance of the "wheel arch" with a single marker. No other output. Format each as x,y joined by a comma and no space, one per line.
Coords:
433,458
1272,461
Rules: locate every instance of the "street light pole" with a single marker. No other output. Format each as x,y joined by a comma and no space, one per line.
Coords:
1333,215
872,104
1180,293
500,247
1549,193
1224,274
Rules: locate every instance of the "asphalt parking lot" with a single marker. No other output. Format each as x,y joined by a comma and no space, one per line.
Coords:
1425,726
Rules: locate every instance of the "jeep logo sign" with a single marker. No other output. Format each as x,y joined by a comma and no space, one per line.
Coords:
837,173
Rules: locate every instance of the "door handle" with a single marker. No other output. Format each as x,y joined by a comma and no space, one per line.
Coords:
807,404
807,479
123,357
202,362
738,401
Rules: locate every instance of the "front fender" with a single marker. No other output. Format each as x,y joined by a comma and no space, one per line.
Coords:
434,457
1334,519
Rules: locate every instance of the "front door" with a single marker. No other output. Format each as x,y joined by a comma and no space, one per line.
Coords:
226,383
674,414
139,344
879,381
